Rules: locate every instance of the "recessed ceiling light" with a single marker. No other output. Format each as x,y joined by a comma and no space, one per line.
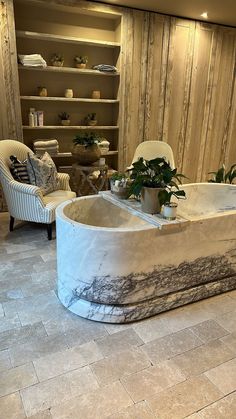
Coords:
205,15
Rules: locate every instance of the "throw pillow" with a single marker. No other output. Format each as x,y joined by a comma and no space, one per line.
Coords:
43,173
19,170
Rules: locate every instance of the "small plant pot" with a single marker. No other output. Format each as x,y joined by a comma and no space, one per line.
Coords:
121,192
81,65
169,211
57,63
92,122
65,122
149,200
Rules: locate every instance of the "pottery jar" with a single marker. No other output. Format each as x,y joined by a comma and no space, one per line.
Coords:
69,93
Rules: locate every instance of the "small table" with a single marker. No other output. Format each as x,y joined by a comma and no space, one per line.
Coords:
89,180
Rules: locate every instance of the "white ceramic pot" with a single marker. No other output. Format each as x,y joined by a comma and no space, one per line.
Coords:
69,93
169,211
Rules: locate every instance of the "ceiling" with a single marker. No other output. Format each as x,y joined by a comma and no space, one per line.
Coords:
219,11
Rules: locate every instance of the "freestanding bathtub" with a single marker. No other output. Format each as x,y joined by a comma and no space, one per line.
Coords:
116,267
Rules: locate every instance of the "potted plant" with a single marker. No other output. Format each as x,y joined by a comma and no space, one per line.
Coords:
169,209
57,60
86,149
65,118
149,178
91,119
81,61
223,176
120,184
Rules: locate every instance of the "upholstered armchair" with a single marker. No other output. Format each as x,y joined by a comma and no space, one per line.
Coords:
26,202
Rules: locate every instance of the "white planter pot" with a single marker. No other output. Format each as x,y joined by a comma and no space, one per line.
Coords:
169,211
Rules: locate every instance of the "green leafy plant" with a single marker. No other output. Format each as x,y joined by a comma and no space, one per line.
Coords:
79,59
119,176
87,139
223,176
91,116
57,58
156,173
64,116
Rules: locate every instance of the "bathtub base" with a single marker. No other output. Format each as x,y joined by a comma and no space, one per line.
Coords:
127,313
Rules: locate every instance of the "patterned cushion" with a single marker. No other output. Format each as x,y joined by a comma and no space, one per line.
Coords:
19,170
43,173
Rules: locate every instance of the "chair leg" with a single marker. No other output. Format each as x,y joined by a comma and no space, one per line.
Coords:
49,230
12,219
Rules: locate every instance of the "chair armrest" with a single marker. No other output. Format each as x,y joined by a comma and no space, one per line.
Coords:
26,188
64,181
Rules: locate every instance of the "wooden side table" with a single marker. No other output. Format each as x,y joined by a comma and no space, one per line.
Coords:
89,180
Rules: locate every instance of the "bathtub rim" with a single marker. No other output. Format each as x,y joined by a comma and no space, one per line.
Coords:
60,214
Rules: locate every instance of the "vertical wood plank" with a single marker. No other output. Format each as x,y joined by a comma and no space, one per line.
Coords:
133,80
179,71
221,102
10,126
199,103
158,44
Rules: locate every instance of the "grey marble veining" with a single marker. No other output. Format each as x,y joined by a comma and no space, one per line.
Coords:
122,268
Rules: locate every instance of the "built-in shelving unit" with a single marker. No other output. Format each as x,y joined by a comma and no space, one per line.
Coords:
65,39
80,127
46,29
72,70
67,99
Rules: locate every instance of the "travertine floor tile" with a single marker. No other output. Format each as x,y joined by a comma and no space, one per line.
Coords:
36,348
208,330
118,365
57,390
184,399
137,411
70,359
5,362
228,320
203,358
151,329
171,345
118,341
42,415
11,407
94,405
222,409
17,378
21,335
152,380
224,376
74,327
9,322
230,341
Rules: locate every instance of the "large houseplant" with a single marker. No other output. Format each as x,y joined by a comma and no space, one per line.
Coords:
86,149
223,176
156,182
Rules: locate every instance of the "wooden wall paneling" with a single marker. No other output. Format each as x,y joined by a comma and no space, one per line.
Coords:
133,80
10,119
221,102
158,44
199,103
230,152
178,86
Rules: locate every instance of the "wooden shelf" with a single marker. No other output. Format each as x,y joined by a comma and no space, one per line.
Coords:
68,154
65,99
66,39
86,71
81,127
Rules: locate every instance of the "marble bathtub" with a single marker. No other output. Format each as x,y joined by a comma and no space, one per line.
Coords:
116,267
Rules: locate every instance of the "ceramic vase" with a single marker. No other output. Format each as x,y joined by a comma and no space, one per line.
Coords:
149,200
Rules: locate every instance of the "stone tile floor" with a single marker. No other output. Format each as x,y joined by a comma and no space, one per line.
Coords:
54,364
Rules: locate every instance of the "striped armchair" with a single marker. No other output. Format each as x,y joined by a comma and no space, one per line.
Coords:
26,202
